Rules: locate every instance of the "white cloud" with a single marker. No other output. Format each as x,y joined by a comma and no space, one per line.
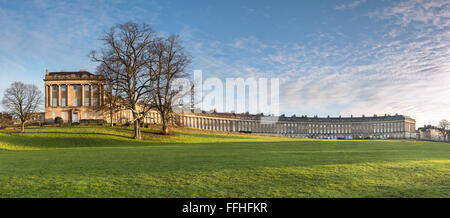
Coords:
350,5
405,71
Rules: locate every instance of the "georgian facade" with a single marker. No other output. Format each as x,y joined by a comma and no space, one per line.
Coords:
73,96
376,127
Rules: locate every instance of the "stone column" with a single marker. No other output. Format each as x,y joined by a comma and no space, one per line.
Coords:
50,96
102,94
46,96
67,95
91,95
59,95
82,95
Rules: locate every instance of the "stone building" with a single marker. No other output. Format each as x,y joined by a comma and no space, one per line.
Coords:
37,117
376,127
73,95
429,133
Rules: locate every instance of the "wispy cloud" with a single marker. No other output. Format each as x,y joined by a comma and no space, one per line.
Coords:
404,70
350,5
54,34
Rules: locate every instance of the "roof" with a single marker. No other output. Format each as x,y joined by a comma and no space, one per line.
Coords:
70,73
314,119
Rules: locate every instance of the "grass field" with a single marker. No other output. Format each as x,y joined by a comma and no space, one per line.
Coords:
106,162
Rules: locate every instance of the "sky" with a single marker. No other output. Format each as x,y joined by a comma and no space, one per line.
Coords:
332,57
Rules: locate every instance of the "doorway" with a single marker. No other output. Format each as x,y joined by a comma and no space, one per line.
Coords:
75,117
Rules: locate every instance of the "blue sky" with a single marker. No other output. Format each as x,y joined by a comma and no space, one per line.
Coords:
333,57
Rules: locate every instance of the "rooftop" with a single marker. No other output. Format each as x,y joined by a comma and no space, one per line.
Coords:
71,75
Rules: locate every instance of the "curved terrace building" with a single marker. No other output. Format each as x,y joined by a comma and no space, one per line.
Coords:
376,127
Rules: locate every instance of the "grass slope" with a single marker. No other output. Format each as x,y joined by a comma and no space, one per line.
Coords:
106,162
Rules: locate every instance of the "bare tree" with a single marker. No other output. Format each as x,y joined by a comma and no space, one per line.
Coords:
21,101
6,119
112,103
169,62
125,55
444,128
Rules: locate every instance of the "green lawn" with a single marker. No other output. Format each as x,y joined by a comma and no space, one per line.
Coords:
106,162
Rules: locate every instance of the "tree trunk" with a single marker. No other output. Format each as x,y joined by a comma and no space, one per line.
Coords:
165,128
23,127
111,118
137,129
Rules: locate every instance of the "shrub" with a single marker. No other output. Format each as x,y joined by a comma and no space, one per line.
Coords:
59,120
92,122
37,123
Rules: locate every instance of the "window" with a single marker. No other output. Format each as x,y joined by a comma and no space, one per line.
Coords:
75,87
95,101
63,115
54,115
75,101
86,116
86,101
63,102
95,115
55,88
63,88
55,102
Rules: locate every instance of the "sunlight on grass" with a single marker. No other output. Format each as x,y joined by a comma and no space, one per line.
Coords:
107,162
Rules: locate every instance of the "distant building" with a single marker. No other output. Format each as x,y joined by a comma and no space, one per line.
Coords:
73,95
376,127
6,119
37,117
429,133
